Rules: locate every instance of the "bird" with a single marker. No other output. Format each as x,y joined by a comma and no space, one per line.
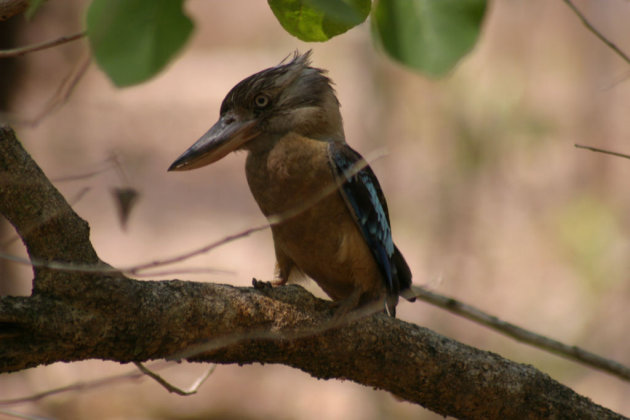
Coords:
328,215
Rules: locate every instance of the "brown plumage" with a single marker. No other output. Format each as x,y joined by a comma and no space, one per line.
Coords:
334,224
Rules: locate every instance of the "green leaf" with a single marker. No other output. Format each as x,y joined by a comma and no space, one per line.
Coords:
319,20
132,40
428,35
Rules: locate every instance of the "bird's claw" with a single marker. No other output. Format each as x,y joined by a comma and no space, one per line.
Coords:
261,285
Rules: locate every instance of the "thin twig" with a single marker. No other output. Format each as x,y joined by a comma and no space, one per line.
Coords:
618,80
217,343
598,34
571,352
122,174
136,269
272,220
182,257
520,334
450,304
63,92
17,415
78,386
59,98
608,152
16,52
85,385
469,312
187,270
276,219
83,176
172,388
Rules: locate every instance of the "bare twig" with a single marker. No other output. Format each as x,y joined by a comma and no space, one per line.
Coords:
16,52
618,80
448,303
17,415
172,388
187,270
122,174
63,92
59,98
191,352
520,334
598,34
78,386
452,305
85,385
608,152
136,269
273,220
218,343
182,257
85,175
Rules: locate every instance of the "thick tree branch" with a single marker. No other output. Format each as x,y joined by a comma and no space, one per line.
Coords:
48,226
10,8
126,320
81,315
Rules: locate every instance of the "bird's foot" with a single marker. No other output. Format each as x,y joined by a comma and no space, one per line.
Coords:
352,308
345,306
261,284
265,285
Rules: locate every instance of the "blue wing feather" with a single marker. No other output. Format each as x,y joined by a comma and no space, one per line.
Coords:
366,201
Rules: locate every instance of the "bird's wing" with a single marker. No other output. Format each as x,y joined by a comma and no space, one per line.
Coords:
365,200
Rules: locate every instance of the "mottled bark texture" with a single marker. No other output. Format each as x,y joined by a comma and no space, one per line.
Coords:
75,315
10,8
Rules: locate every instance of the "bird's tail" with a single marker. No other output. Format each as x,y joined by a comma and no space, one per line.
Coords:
401,279
403,275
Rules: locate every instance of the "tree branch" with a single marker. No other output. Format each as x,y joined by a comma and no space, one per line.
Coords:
604,151
569,352
84,315
597,33
16,52
172,388
49,227
126,320
10,8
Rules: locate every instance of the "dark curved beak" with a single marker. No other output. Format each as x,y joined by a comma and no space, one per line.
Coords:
227,135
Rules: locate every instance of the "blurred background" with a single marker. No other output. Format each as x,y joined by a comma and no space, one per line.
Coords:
490,201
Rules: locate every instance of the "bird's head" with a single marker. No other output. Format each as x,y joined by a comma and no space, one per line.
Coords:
259,110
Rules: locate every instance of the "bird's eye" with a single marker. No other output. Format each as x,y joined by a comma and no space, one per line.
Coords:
261,101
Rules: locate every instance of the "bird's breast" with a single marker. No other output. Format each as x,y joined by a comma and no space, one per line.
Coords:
287,175
294,181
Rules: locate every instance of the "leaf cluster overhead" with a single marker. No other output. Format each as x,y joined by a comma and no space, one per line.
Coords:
133,40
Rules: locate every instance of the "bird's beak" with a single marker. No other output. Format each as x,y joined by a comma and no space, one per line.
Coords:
225,136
